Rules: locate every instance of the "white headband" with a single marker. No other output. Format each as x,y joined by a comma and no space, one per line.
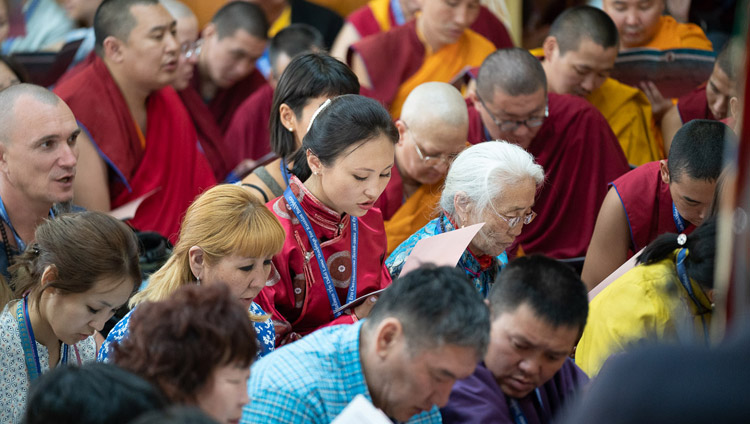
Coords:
317,111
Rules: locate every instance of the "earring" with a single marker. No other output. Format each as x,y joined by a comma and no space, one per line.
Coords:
199,280
290,129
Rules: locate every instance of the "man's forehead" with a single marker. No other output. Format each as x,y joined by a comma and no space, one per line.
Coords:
151,16
517,105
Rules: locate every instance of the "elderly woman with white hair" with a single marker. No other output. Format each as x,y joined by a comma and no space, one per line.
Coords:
495,183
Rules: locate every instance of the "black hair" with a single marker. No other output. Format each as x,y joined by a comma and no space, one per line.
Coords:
176,415
348,120
552,289
436,306
113,18
701,247
308,76
514,71
698,150
293,40
582,22
241,15
90,394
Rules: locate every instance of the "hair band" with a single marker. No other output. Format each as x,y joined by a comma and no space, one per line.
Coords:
317,111
681,239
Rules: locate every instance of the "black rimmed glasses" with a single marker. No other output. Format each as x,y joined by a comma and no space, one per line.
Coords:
446,159
510,125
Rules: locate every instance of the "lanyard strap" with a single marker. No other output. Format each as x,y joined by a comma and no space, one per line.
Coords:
284,172
515,408
333,297
679,222
28,342
20,244
398,12
685,281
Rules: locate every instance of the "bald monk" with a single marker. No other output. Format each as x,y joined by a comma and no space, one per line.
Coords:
432,131
381,15
710,100
668,196
566,135
578,56
137,136
225,76
248,136
436,46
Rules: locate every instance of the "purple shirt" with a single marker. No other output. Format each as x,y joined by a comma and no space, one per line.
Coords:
478,398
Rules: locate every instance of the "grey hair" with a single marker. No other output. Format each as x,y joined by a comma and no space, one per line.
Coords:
483,171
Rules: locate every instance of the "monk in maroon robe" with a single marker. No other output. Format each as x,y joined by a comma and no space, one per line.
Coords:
668,196
567,136
137,138
224,77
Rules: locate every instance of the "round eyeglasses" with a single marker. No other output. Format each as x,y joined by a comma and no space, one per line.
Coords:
510,125
445,159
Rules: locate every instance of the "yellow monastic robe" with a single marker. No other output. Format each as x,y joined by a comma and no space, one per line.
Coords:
414,214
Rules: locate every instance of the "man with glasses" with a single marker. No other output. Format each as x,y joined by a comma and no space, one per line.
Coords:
225,76
566,135
432,131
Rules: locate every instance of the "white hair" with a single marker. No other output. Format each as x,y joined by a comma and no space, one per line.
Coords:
483,171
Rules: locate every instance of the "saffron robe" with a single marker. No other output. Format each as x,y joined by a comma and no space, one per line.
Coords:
378,16
248,136
694,105
675,35
479,399
398,61
170,161
580,155
295,294
648,205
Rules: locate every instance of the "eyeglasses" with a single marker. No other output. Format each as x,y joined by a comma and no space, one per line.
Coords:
514,220
510,125
188,49
430,160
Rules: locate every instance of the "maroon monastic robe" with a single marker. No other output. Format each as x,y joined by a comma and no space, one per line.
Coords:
248,136
580,155
694,106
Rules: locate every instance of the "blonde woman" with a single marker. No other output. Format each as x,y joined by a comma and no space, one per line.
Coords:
227,237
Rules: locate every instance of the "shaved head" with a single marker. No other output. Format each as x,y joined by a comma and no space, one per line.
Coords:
113,18
241,15
514,71
435,103
731,58
9,97
577,23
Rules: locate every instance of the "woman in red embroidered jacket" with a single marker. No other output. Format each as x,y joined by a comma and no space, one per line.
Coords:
335,241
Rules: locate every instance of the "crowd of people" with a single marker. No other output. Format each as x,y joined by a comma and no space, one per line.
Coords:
292,185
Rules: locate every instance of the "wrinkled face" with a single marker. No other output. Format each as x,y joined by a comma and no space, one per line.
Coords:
81,10
444,21
718,92
7,76
150,55
244,275
232,58
40,155
187,35
420,379
438,144
4,20
355,180
502,107
496,235
636,20
525,351
582,71
74,316
225,394
692,197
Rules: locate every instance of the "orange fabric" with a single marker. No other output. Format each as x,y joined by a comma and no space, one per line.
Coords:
674,35
381,11
414,214
342,7
141,138
469,51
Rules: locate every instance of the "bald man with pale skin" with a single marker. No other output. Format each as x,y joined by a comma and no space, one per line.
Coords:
433,127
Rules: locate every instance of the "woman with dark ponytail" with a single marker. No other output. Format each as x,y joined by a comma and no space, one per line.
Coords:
335,241
667,297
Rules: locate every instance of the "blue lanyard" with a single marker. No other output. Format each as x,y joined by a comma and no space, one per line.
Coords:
333,297
679,222
515,408
4,216
398,13
28,341
685,281
284,172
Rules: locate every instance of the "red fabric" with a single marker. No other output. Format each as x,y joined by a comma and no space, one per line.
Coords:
647,204
70,73
390,58
209,134
694,106
295,295
248,136
170,163
580,156
365,23
392,197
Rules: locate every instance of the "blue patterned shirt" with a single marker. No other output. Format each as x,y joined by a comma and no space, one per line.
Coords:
266,334
482,280
312,380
